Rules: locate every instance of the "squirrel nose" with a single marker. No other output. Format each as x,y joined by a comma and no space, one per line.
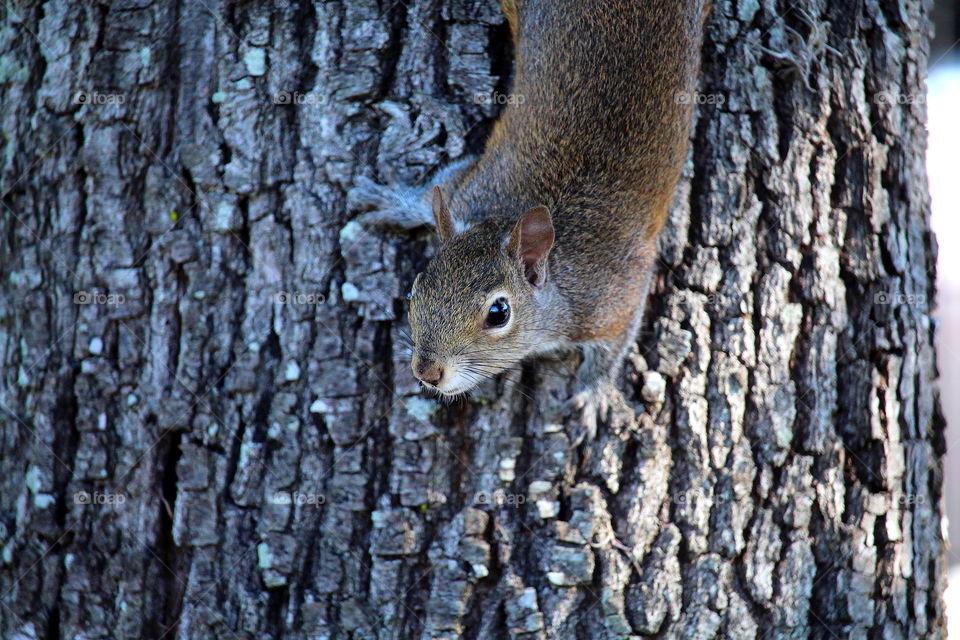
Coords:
429,371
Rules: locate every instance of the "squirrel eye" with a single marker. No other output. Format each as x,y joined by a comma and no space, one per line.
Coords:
498,314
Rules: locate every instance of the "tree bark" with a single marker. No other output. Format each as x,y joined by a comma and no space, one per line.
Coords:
209,428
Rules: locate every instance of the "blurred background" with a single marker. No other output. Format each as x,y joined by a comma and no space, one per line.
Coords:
943,103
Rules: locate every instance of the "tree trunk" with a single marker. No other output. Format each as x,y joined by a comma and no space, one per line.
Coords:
209,428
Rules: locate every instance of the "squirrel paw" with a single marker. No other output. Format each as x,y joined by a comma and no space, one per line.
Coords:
399,206
586,408
396,206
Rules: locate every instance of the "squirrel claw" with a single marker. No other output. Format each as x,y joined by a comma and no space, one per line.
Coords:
586,408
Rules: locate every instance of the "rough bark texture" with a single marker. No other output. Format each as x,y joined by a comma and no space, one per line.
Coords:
208,425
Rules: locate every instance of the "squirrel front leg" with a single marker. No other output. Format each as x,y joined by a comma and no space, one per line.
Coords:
402,207
595,381
597,374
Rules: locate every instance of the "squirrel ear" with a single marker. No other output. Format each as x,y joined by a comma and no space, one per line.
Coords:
531,241
441,216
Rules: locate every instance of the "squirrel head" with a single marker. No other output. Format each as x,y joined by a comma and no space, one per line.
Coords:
476,309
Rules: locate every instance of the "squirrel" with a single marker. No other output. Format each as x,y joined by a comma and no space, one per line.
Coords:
548,238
